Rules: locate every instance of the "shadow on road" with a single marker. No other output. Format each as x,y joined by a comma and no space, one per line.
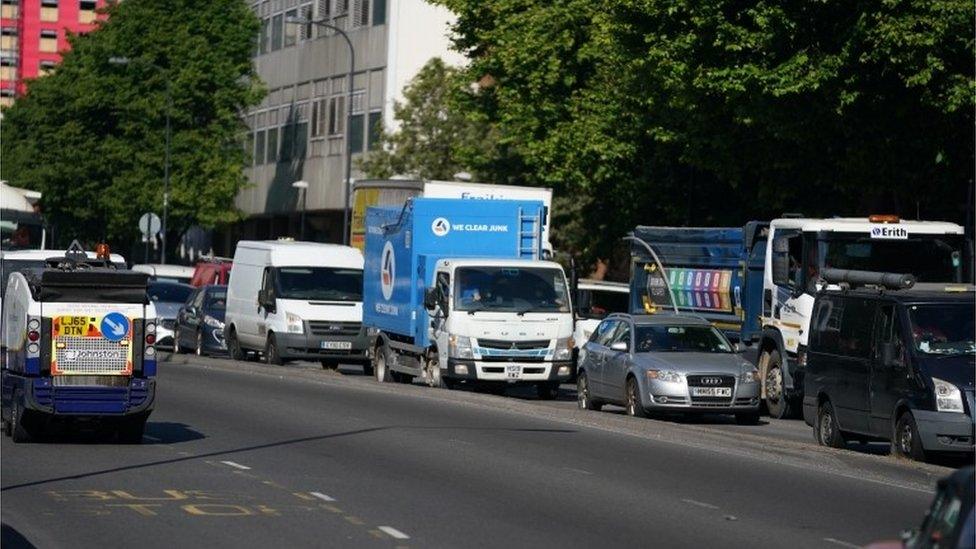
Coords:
167,432
10,538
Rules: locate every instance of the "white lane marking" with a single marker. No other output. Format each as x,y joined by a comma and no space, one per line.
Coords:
152,439
700,503
842,543
393,532
322,496
582,471
236,465
459,441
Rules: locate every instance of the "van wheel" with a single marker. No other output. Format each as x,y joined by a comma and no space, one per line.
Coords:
271,353
199,349
827,429
330,363
779,406
583,397
176,341
20,430
380,366
907,443
547,390
234,346
634,405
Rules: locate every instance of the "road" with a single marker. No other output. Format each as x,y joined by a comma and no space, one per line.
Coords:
248,455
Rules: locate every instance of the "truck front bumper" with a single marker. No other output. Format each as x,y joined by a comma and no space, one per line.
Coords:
510,372
309,346
944,431
42,395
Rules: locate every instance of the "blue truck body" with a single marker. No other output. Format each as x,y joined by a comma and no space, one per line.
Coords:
716,273
403,246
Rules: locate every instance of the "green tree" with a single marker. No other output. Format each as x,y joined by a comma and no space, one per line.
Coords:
91,135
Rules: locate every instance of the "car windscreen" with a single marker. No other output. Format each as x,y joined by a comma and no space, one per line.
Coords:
8,266
511,289
930,258
676,338
598,304
217,300
943,329
170,293
324,283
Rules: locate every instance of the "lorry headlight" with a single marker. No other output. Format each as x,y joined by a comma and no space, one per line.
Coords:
664,375
214,323
460,347
751,376
564,349
294,323
948,398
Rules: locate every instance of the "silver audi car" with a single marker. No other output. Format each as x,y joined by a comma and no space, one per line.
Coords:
666,362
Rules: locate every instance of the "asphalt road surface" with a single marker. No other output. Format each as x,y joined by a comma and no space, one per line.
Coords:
247,455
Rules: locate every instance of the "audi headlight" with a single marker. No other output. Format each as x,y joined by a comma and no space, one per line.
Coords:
564,349
294,322
664,375
751,376
948,398
214,323
460,347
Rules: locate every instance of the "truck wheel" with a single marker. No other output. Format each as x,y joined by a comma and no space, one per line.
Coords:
368,367
271,354
547,390
330,363
634,405
131,430
434,378
380,367
779,406
234,346
20,430
907,443
827,430
583,397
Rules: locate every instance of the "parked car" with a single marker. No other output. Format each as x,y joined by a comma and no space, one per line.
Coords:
949,522
200,322
296,300
168,298
212,271
893,366
666,362
166,273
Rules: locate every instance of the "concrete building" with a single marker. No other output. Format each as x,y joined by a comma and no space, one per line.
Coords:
33,33
299,131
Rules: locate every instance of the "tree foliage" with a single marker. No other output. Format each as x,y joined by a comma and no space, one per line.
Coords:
91,135
715,112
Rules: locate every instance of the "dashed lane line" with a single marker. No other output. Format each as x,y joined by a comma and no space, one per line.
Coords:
322,496
236,465
842,543
700,503
393,532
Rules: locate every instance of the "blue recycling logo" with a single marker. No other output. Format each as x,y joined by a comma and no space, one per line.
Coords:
115,326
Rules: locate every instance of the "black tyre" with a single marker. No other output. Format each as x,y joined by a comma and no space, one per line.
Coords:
434,377
368,368
777,401
634,405
330,363
583,397
233,346
547,390
907,443
21,429
199,345
747,418
131,430
827,430
271,352
381,368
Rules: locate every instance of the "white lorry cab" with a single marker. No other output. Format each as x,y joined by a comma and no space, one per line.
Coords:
296,300
78,343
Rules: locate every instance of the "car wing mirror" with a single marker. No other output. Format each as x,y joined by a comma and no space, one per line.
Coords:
619,346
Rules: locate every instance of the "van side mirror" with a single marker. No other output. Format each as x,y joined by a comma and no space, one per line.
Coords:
620,346
430,299
781,261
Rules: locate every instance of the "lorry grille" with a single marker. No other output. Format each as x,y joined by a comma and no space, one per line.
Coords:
329,328
513,345
92,355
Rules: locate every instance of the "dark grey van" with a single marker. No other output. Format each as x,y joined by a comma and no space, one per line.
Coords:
892,365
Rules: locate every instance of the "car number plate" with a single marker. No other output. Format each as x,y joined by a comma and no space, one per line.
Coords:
711,391
514,372
340,345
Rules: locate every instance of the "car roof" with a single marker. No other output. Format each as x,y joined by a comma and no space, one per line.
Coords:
663,319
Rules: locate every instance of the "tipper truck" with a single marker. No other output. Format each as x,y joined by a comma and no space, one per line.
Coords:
454,293
757,282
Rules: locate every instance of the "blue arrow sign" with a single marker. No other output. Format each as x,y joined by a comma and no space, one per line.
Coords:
115,326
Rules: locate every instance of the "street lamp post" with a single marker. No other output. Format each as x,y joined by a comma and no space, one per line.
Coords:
303,187
352,65
169,108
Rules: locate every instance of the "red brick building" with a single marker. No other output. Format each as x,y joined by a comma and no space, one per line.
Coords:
32,35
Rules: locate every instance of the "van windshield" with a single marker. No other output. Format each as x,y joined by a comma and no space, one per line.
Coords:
325,283
511,289
943,329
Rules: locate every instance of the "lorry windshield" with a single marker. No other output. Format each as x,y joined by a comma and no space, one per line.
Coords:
931,258
325,283
597,303
943,329
692,339
511,289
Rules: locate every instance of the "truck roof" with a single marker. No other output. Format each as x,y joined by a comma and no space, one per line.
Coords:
863,224
499,262
304,254
41,255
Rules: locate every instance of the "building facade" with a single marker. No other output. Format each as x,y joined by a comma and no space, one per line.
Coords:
299,131
33,33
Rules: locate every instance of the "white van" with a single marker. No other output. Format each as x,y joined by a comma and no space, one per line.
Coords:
296,300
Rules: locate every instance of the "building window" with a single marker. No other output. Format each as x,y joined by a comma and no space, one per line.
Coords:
375,130
337,113
49,10
291,30
259,148
8,68
8,38
9,9
249,148
6,97
46,67
86,11
356,127
305,31
360,13
264,38
277,32
379,12
272,152
320,117
49,41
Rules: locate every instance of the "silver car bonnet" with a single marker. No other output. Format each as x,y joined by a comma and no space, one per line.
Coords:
692,363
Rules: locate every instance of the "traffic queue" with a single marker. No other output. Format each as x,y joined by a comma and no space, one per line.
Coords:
862,326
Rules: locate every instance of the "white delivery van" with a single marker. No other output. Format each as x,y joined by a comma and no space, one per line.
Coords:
296,300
